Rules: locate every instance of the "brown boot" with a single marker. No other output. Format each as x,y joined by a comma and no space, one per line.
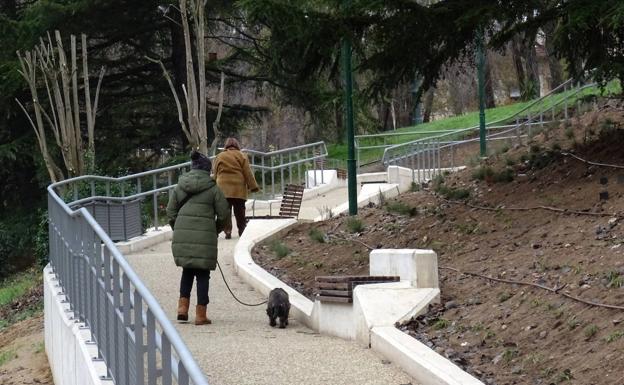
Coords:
200,316
183,307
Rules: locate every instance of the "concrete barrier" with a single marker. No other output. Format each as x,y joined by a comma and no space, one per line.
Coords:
70,357
418,360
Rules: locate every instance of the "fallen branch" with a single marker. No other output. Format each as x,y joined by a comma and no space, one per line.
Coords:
547,208
556,290
351,240
592,163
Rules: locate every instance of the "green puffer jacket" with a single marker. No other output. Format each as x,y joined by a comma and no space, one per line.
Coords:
195,232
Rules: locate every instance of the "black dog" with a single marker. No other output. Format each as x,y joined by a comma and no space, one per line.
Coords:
278,306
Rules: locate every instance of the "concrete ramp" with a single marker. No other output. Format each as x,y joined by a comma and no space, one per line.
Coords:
240,348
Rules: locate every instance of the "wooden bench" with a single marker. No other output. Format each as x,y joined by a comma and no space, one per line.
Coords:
340,288
291,201
290,205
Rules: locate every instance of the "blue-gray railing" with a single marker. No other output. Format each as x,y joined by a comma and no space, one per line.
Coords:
428,156
539,107
133,334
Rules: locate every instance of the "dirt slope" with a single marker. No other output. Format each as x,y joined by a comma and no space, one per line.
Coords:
503,333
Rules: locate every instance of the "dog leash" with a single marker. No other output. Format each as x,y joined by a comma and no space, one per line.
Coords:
233,295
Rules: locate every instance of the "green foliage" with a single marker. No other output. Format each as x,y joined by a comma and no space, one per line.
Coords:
504,296
401,208
414,187
317,235
510,354
280,249
16,287
483,173
7,356
354,225
615,279
453,193
566,375
614,336
590,331
440,324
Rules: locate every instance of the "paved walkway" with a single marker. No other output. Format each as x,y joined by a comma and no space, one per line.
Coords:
241,348
311,208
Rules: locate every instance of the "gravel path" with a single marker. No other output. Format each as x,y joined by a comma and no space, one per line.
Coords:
241,348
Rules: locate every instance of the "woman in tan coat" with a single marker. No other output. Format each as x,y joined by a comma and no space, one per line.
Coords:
234,177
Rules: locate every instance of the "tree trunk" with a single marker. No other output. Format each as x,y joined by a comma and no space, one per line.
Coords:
532,69
516,54
428,105
556,72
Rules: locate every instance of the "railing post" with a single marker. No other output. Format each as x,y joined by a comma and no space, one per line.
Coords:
281,166
263,172
155,202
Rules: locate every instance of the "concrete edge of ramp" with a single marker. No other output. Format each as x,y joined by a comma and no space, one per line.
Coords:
415,358
70,357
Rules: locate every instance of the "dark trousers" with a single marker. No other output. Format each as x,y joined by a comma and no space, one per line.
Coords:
239,213
186,284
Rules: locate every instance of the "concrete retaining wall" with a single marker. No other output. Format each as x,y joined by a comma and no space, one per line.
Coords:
70,355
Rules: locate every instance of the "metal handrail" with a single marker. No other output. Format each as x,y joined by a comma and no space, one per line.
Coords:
128,325
80,256
424,157
389,149
360,148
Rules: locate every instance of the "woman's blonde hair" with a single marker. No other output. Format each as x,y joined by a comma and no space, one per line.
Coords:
232,142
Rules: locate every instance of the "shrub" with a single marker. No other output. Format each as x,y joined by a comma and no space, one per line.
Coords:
590,331
401,208
354,225
41,239
453,193
280,249
505,176
483,173
317,235
415,187
440,324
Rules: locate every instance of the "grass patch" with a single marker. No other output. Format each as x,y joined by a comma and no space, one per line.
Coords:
614,336
440,324
488,174
451,193
573,323
7,356
510,354
354,225
504,296
317,235
401,208
590,331
280,249
566,375
39,347
615,279
17,286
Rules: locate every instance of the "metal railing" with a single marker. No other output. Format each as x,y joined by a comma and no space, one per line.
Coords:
133,334
539,108
427,157
288,166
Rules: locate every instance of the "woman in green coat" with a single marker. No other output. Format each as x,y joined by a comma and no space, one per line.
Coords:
197,212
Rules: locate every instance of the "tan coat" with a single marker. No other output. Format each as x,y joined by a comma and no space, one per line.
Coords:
233,173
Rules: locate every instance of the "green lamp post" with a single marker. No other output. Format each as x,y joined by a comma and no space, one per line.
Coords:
348,100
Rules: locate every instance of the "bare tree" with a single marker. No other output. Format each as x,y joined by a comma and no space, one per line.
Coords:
60,79
194,90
